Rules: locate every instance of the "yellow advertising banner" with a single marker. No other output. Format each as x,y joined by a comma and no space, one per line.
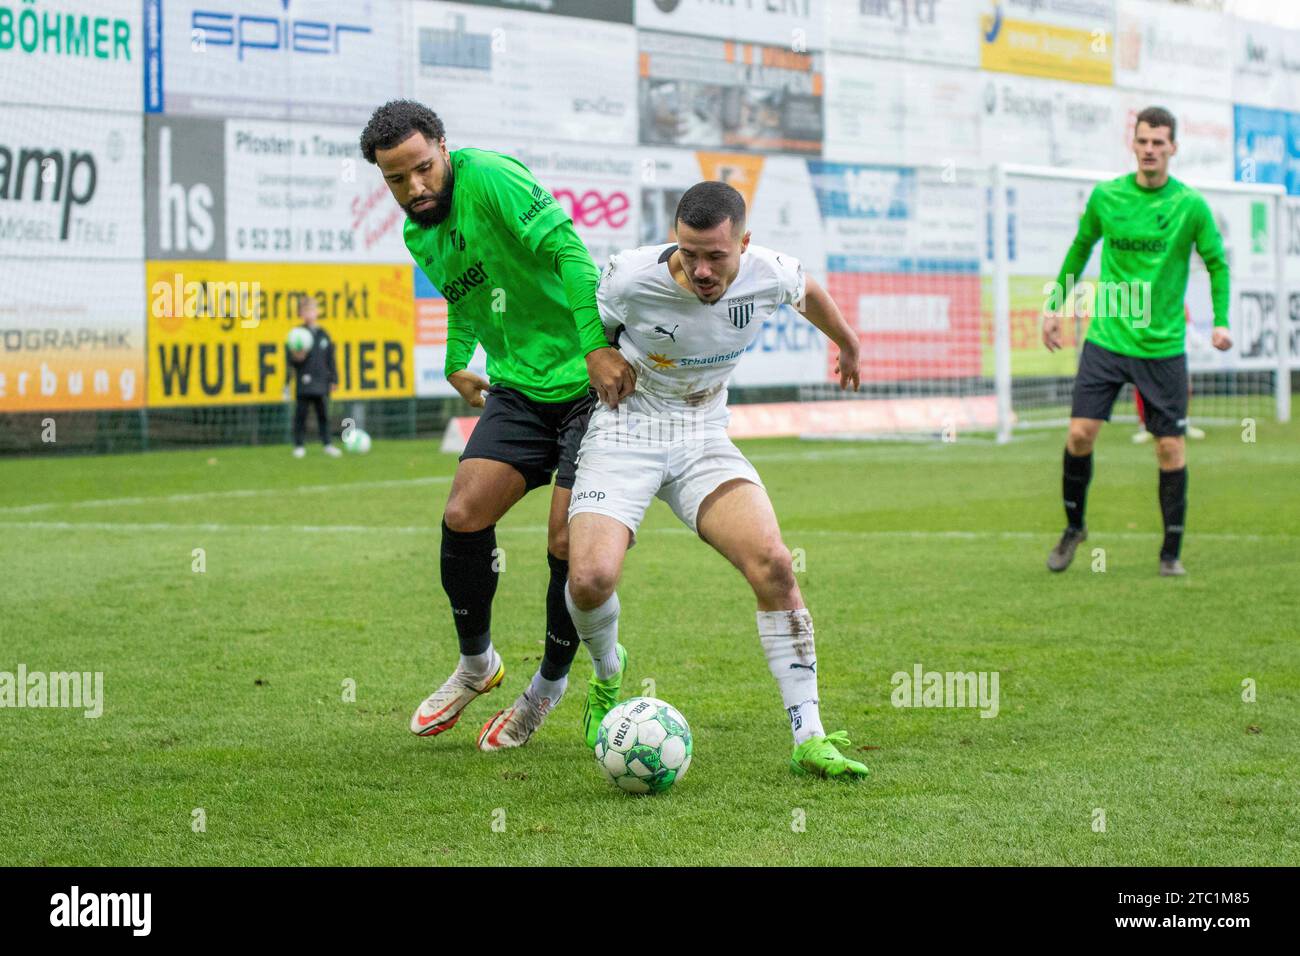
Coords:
216,330
1050,50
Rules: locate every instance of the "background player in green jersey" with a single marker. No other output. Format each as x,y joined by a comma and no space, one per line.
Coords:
518,280
1150,223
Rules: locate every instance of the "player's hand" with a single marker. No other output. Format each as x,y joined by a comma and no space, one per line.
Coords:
334,387
1052,332
611,376
285,394
470,386
298,355
846,367
1221,338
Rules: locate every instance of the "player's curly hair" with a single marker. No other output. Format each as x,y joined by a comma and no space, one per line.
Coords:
394,122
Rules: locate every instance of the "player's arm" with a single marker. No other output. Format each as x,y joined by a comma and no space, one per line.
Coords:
813,302
1076,260
333,367
1209,245
460,349
820,309
519,203
610,374
611,298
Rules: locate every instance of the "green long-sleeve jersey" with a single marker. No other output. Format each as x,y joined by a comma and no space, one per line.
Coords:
516,278
1148,238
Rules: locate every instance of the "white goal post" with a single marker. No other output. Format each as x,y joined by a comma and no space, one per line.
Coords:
1033,217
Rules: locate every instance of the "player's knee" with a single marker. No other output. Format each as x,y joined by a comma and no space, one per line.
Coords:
1171,452
1081,438
591,586
557,542
771,571
460,515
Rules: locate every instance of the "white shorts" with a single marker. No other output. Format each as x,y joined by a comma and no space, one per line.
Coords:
621,481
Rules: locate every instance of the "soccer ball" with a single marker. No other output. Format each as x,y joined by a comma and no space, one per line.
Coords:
357,441
299,339
643,746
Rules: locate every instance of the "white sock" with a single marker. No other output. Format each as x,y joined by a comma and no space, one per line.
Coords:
542,689
598,629
480,665
787,638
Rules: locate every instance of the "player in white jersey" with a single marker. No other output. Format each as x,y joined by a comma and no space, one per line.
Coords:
682,315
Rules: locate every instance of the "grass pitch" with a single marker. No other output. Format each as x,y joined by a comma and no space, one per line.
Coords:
1121,693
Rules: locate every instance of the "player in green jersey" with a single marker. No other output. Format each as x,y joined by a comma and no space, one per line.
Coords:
518,281
1149,223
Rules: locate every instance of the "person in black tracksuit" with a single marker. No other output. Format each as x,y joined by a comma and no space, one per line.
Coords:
316,376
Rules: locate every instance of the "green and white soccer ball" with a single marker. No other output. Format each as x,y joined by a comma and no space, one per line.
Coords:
643,745
357,441
299,339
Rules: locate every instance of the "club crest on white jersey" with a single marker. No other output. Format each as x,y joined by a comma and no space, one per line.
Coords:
684,350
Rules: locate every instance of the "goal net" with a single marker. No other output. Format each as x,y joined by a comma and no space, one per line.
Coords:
1034,215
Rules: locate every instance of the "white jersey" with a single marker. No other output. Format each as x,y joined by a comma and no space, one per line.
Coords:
685,350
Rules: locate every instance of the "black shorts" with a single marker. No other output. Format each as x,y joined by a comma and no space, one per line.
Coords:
537,438
1161,381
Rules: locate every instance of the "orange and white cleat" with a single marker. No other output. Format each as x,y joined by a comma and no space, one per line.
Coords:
443,707
513,727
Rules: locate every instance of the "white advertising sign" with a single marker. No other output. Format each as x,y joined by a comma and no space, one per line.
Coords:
1050,123
325,60
1165,48
1265,65
301,192
70,184
83,52
72,336
938,31
599,189
489,72
901,113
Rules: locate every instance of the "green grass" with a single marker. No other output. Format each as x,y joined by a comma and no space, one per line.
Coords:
1119,690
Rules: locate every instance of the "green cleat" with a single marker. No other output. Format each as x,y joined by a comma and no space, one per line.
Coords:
817,757
602,695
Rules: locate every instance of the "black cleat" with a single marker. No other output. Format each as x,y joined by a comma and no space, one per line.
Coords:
1172,568
1059,558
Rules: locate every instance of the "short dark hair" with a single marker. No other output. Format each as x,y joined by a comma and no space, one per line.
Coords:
1158,116
707,204
394,122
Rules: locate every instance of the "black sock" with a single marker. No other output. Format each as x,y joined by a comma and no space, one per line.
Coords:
1173,506
470,583
1074,487
561,636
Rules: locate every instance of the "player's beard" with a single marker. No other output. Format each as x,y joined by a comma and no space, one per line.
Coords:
713,293
434,215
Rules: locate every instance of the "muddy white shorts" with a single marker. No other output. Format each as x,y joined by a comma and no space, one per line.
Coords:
619,478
